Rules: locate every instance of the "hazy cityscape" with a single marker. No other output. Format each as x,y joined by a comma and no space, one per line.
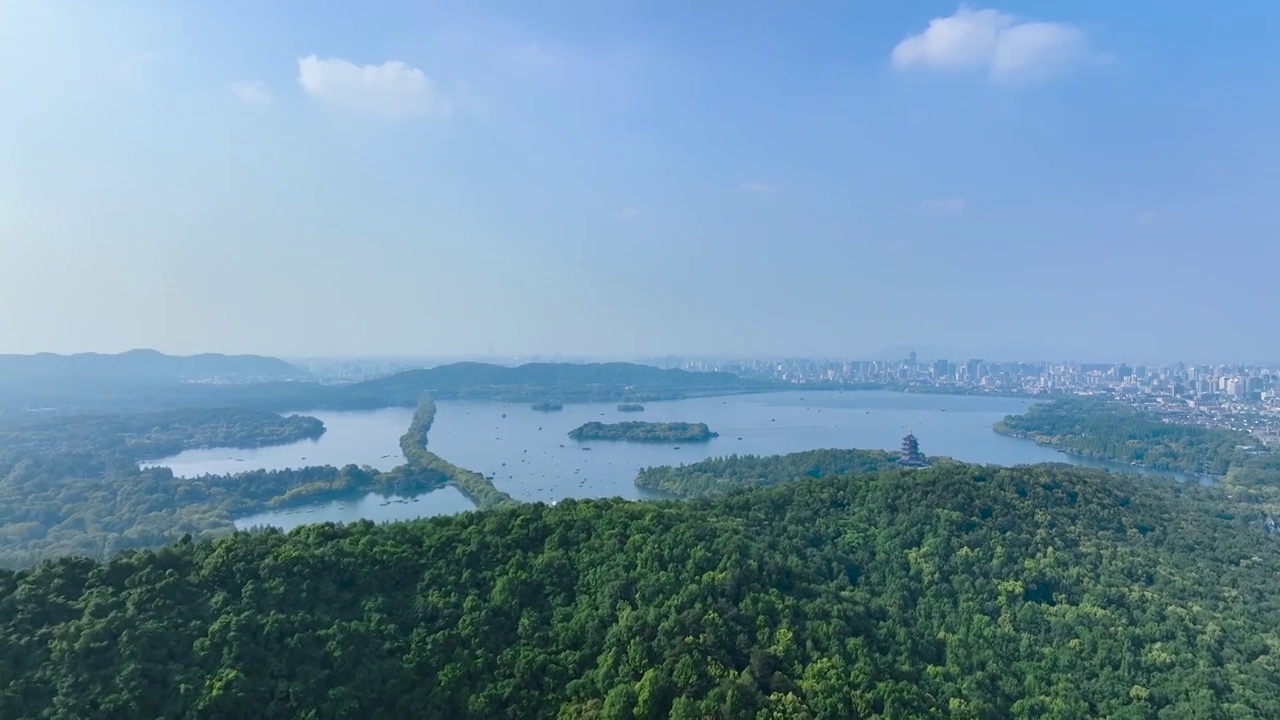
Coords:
1240,397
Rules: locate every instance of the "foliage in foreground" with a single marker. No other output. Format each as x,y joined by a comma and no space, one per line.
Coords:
955,591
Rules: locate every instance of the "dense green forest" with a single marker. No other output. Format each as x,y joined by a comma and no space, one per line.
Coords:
955,591
1115,431
650,432
734,472
72,485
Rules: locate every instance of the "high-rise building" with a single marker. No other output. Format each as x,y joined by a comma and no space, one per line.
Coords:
973,369
941,369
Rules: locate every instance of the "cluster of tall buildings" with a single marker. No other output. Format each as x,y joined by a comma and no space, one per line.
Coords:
1239,397
1238,383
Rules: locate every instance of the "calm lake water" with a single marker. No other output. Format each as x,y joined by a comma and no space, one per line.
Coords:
530,456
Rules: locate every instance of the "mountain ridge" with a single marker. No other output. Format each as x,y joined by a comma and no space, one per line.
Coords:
141,365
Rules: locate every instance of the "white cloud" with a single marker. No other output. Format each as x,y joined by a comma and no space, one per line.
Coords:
628,213
253,92
393,89
948,205
1007,47
759,188
1146,218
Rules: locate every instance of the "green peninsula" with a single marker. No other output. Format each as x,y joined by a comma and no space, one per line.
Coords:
72,485
1108,430
652,432
1242,467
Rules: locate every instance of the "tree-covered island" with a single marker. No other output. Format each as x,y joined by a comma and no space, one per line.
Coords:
630,407
652,432
548,406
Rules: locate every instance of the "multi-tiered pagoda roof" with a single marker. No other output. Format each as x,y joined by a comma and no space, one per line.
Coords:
911,451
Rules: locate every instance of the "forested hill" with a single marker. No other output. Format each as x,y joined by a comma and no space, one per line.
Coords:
140,367
536,382
556,381
955,591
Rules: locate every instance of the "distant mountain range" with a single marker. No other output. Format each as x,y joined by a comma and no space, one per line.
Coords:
147,380
549,378
143,367
532,382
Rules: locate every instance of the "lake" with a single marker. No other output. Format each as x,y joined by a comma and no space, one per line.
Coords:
530,456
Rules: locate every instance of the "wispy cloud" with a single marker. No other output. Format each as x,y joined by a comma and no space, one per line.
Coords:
1146,218
253,92
393,90
759,188
947,205
1008,48
628,213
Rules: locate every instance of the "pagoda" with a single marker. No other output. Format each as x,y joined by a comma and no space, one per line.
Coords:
911,452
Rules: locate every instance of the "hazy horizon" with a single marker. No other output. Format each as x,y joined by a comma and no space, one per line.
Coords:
1052,180
925,353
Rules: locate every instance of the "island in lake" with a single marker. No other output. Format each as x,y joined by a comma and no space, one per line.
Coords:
644,432
548,406
630,407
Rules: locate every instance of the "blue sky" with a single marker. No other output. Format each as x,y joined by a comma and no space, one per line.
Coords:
1092,180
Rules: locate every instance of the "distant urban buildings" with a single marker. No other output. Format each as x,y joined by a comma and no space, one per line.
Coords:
1235,396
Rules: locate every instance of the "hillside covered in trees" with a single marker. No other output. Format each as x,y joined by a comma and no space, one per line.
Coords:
955,591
